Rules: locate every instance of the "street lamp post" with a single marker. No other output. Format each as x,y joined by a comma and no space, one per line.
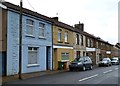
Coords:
20,41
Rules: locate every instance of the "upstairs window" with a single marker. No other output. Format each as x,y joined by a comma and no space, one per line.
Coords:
91,43
88,42
81,40
41,30
66,36
97,44
77,39
59,35
29,27
101,45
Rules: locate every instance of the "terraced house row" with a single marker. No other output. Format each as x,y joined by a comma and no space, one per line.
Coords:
47,43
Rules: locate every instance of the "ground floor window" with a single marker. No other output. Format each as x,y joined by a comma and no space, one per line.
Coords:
32,55
64,56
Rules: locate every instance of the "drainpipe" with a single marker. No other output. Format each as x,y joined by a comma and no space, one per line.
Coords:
20,42
52,49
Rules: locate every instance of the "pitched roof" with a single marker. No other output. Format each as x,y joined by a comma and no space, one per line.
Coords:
89,35
117,45
26,11
63,25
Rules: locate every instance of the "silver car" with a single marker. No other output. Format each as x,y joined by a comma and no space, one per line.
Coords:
105,62
115,61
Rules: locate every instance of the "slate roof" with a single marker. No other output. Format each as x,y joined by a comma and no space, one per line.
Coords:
26,11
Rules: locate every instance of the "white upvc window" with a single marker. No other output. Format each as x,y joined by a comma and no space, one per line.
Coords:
97,44
88,42
77,39
41,30
59,35
64,56
91,43
29,27
32,55
66,36
81,40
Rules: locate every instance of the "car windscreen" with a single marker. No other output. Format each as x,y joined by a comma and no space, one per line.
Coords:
105,59
114,59
78,59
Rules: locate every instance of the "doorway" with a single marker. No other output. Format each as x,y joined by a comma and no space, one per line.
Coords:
48,58
78,54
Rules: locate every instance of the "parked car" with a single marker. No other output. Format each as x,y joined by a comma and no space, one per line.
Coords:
115,61
105,62
81,63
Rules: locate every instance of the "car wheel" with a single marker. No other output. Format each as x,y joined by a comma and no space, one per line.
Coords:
84,68
91,67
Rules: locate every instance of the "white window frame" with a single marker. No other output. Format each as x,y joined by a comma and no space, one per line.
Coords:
66,36
77,39
81,40
59,35
97,44
91,43
65,55
30,25
33,50
41,29
88,42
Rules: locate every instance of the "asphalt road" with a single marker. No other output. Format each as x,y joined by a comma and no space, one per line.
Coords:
99,75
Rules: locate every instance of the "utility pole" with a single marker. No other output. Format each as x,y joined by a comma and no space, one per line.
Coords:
20,42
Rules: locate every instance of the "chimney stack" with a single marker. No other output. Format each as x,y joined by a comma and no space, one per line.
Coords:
55,18
79,26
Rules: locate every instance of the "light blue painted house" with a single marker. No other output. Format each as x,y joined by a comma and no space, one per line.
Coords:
36,41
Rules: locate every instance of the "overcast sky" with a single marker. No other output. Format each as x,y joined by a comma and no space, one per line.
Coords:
100,17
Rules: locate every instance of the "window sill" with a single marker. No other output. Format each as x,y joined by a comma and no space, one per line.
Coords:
40,37
32,65
66,42
27,35
60,42
64,60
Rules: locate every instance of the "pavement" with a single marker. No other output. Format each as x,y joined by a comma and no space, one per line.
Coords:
6,79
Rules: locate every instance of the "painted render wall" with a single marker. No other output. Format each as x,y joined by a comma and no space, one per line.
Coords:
40,43
13,45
